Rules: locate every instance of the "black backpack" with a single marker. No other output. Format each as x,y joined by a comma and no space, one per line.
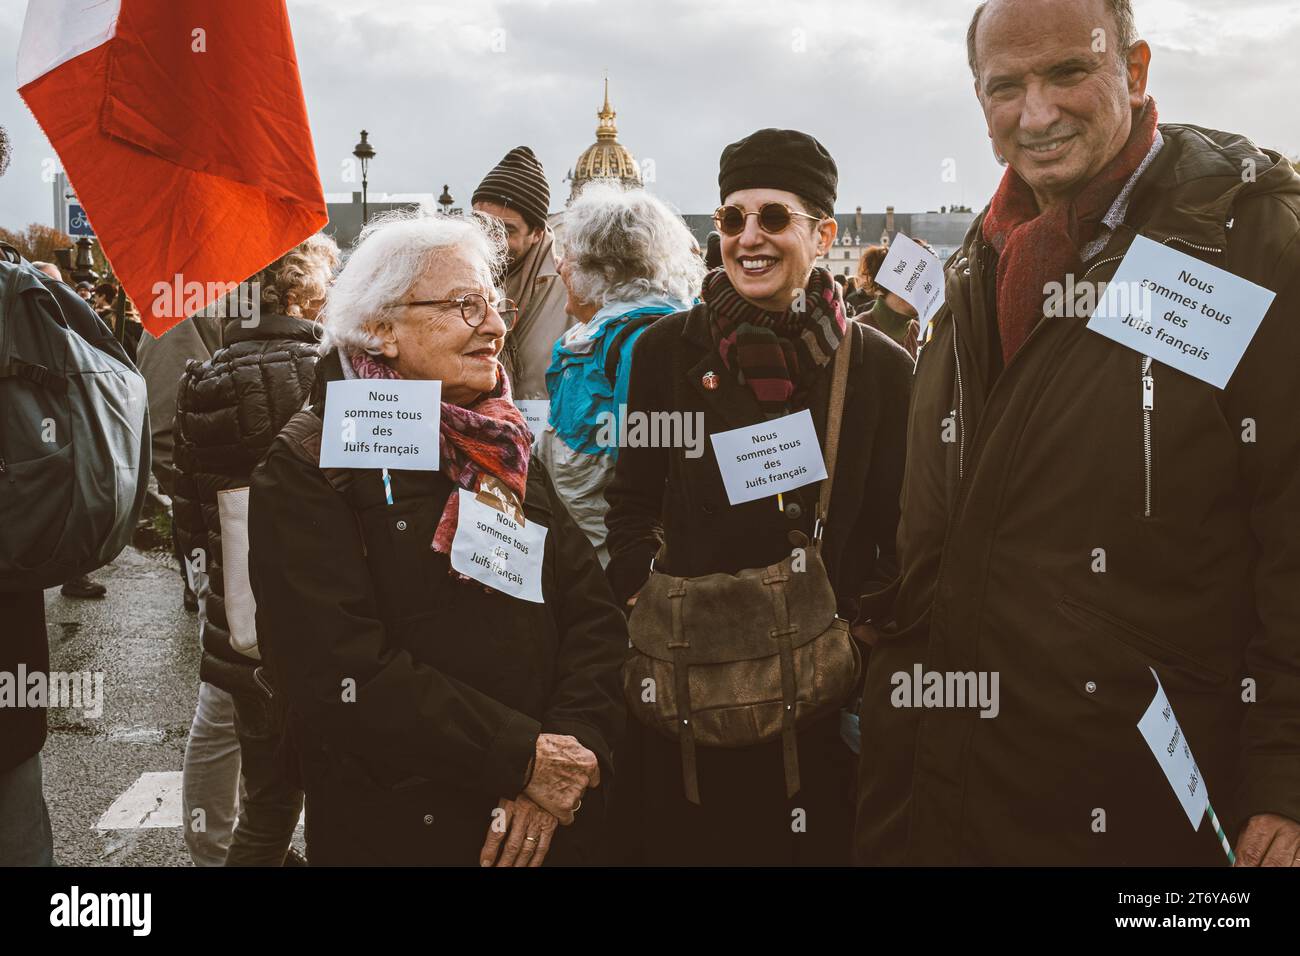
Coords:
74,433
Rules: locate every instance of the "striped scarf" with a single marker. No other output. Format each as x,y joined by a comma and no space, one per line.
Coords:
487,439
777,354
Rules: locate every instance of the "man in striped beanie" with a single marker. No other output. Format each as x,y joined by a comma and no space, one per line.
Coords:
515,191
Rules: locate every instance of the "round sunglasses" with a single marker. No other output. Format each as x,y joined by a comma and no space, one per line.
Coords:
773,217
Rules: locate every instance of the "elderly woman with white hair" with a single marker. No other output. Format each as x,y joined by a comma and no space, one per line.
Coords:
443,712
627,260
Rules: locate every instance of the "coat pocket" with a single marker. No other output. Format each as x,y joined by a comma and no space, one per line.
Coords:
1146,644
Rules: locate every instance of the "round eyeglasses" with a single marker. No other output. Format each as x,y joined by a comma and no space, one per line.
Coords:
473,308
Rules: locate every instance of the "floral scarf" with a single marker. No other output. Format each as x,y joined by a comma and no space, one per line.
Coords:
488,439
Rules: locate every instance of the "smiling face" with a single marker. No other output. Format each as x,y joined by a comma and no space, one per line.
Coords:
433,341
1058,109
767,269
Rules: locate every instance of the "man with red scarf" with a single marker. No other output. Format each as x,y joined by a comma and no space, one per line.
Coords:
1076,515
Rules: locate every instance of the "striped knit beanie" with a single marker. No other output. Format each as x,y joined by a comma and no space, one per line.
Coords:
517,182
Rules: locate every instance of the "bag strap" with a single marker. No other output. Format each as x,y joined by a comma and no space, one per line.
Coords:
834,416
775,580
613,355
681,648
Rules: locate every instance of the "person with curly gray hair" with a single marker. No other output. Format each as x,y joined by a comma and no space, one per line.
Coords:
627,260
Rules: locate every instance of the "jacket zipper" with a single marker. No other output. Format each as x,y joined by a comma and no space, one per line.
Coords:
1148,406
1148,381
961,409
1188,243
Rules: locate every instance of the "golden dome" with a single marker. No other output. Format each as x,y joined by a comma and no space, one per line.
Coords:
606,158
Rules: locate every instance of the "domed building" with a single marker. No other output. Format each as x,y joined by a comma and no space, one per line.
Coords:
606,158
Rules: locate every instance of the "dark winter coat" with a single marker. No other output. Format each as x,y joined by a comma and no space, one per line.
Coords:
1042,540
453,682
228,410
661,496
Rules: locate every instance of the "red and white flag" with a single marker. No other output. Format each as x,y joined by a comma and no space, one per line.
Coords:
182,128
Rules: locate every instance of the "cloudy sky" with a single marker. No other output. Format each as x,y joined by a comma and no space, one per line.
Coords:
445,88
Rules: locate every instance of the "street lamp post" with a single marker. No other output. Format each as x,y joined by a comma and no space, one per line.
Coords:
364,152
84,266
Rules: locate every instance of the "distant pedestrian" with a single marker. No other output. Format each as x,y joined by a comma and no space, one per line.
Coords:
628,260
516,193
229,409
881,309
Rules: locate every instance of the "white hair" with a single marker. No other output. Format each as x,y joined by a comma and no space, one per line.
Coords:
391,255
623,244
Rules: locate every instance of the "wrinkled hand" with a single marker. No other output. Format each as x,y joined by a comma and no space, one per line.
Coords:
563,770
1269,839
526,830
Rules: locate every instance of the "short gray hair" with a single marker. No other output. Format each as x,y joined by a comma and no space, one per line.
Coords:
623,244
393,251
1121,12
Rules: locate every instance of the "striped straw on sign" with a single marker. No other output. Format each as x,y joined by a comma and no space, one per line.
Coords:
1223,839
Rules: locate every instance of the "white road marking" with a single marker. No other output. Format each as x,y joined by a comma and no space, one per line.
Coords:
152,802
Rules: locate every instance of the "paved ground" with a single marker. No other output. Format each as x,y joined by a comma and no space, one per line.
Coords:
127,760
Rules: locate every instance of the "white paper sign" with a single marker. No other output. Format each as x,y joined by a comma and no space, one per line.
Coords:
494,549
1183,313
774,457
381,424
1159,728
536,412
914,274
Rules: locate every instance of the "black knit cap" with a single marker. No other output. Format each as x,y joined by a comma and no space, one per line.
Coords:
519,183
780,159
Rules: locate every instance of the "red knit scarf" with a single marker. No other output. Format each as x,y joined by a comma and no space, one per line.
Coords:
1036,248
489,437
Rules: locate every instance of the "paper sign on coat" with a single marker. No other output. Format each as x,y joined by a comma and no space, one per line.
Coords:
914,274
494,549
381,424
536,412
770,458
1181,311
1159,728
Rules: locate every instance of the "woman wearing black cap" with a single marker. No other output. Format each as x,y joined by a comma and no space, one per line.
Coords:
760,347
